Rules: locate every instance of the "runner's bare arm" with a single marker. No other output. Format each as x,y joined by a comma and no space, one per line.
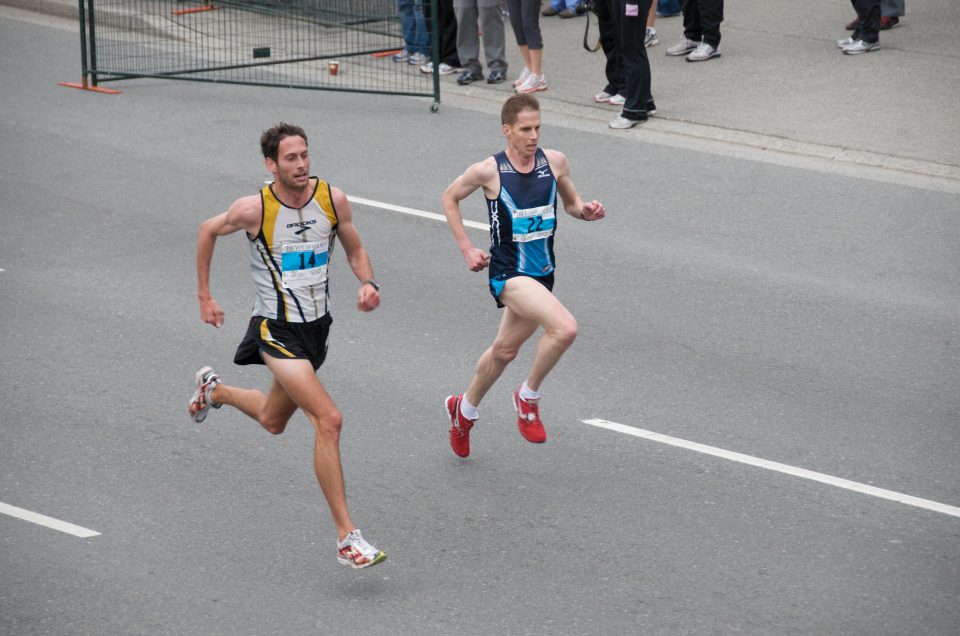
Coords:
243,214
368,298
572,204
480,175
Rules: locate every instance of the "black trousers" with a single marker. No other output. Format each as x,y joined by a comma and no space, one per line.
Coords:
610,43
701,20
448,30
868,14
630,18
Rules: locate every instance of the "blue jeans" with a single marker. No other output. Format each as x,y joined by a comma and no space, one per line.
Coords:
416,38
560,5
668,7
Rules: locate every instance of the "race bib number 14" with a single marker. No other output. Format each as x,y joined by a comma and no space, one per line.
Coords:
303,264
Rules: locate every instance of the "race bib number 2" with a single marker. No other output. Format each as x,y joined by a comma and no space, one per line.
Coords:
303,264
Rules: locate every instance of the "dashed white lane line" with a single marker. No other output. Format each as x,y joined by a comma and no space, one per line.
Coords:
414,212
49,522
780,468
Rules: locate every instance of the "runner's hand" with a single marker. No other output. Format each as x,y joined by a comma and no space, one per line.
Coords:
592,211
476,259
211,313
368,298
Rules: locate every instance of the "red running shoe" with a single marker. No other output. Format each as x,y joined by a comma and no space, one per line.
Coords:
459,426
528,419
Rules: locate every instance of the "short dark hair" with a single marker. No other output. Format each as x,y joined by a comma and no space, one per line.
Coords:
515,105
271,138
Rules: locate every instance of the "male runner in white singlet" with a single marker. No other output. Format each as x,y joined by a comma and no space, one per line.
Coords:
521,186
291,226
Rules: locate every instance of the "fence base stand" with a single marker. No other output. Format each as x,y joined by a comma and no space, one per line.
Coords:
86,87
207,7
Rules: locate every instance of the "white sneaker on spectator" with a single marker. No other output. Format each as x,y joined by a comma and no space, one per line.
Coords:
845,42
524,74
703,53
416,59
602,97
622,123
533,84
445,69
860,46
651,39
682,47
402,56
618,100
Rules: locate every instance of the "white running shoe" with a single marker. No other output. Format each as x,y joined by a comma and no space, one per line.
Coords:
703,53
617,100
650,38
622,123
445,69
682,47
533,84
416,59
524,74
602,97
357,553
860,46
845,42
206,380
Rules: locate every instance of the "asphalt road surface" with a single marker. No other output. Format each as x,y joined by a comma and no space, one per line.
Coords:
796,316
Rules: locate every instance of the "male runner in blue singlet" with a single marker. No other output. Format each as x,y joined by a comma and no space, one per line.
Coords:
291,226
521,186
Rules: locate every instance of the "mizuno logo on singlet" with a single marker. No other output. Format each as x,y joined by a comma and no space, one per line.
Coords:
543,173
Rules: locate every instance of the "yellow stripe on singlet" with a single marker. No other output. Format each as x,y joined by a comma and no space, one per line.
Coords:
322,196
271,209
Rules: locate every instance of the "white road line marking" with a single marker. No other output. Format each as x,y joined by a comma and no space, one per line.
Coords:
782,468
414,212
50,522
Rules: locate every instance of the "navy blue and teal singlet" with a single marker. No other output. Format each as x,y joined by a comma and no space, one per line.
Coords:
523,220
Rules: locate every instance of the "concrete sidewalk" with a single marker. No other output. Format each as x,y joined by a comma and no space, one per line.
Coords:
783,85
781,91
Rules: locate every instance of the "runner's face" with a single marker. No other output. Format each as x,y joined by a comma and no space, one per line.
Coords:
524,134
292,167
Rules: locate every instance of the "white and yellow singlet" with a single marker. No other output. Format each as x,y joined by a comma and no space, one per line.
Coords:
289,256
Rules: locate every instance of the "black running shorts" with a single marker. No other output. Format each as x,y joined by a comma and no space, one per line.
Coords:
498,282
284,340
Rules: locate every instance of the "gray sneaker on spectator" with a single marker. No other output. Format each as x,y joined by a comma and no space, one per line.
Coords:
847,41
682,47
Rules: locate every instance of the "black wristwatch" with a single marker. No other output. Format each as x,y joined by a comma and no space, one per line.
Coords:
372,283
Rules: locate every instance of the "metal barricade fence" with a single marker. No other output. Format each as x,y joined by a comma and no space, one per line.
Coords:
340,45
